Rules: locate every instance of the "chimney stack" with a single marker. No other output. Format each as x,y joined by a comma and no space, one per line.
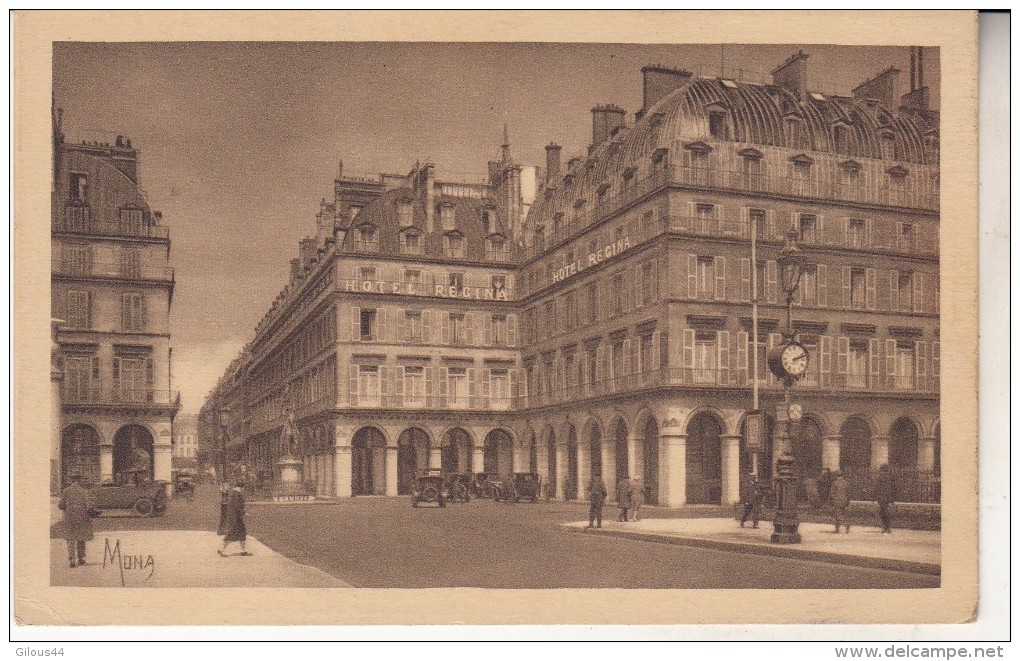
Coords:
791,75
918,96
306,252
603,120
658,82
552,161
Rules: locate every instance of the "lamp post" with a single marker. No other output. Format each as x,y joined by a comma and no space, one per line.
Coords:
223,415
789,362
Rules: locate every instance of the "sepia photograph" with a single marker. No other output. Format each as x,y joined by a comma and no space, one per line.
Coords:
520,316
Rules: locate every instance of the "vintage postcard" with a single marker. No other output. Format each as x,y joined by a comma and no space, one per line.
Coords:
486,318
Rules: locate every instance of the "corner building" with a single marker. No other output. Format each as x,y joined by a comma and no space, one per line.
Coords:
112,288
604,326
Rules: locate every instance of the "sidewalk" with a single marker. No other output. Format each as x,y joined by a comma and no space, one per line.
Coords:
916,551
180,559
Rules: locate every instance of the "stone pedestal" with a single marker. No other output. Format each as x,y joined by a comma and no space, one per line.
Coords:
290,483
785,526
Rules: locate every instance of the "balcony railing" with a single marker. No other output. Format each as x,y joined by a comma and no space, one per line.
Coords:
498,254
429,402
95,394
78,219
115,270
366,246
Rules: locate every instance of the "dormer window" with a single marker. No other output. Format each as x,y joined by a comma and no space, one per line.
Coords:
367,239
655,121
79,187
603,190
447,217
840,133
557,222
411,242
660,157
568,178
717,126
628,177
792,125
453,245
579,203
801,164
487,221
405,213
496,249
888,143
751,168
538,238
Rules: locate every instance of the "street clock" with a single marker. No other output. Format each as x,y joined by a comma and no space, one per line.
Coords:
789,360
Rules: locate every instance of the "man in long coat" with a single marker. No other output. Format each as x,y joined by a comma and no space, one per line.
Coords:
596,498
839,494
235,530
623,497
885,494
637,497
77,504
752,493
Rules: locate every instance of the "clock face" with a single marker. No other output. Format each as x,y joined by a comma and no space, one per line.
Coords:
794,359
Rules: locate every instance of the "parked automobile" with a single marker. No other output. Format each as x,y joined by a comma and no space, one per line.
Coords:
429,488
183,483
485,485
526,486
146,498
459,487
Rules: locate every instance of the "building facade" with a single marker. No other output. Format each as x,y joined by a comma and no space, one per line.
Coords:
112,288
185,443
604,326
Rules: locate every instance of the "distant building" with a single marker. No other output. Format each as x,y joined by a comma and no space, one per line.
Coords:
603,326
112,286
185,445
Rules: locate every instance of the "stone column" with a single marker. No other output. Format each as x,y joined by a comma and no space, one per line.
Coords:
391,470
543,466
830,452
583,469
342,467
105,462
516,458
926,453
673,453
436,457
730,469
478,459
609,464
561,470
879,451
634,441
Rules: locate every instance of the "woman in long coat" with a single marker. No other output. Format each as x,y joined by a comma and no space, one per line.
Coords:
623,497
235,530
77,504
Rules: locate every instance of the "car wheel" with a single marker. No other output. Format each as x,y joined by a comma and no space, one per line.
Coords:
144,507
430,494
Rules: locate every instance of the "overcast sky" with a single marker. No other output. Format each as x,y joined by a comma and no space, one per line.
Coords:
240,141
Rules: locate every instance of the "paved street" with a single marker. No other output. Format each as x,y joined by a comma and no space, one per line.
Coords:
384,542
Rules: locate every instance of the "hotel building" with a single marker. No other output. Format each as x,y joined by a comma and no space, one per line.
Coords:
594,317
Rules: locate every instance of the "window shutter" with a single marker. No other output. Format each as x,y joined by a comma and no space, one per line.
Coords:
825,362
653,295
473,387
847,295
401,325
400,386
430,387
692,276
515,385
720,278
356,324
634,359
869,233
770,224
723,347
745,279
487,387
656,351
603,364
382,332
921,364
143,312
822,238
353,372
918,291
384,384
511,329
689,353
487,330
116,377
846,232
773,342
771,278
444,376
843,356
875,362
469,323
890,363
870,278
426,327
150,380
743,374
823,285
894,290
125,311
935,359
635,287
446,328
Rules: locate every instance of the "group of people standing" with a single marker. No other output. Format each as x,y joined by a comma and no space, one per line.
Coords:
630,496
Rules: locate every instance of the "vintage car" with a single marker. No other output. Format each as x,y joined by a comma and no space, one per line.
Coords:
459,487
184,483
146,499
526,486
485,485
429,487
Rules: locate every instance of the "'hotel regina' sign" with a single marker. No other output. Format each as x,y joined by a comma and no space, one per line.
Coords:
593,259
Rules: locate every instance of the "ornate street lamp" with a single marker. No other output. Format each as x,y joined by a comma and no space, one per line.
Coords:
223,415
789,362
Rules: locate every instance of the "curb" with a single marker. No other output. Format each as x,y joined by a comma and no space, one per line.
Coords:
777,550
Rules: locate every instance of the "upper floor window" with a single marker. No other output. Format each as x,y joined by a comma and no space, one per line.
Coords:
706,218
453,245
857,363
458,328
78,310
76,259
79,188
905,237
130,263
757,218
888,146
808,228
858,287
839,135
411,243
499,330
367,239
706,277
412,276
905,290
456,281
648,293
413,326
496,248
808,289
592,305
717,126
487,227
457,386
705,354
131,220
557,223
498,282
903,365
617,293
368,326
132,311
414,385
856,233
793,131
368,273
447,217
405,213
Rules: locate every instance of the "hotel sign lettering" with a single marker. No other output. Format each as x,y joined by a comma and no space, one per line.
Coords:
593,259
422,289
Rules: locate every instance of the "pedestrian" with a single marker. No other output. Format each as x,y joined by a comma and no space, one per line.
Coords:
637,497
78,506
235,529
825,485
623,492
752,494
224,499
839,495
597,498
885,494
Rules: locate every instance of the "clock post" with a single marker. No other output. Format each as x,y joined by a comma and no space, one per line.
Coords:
789,362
